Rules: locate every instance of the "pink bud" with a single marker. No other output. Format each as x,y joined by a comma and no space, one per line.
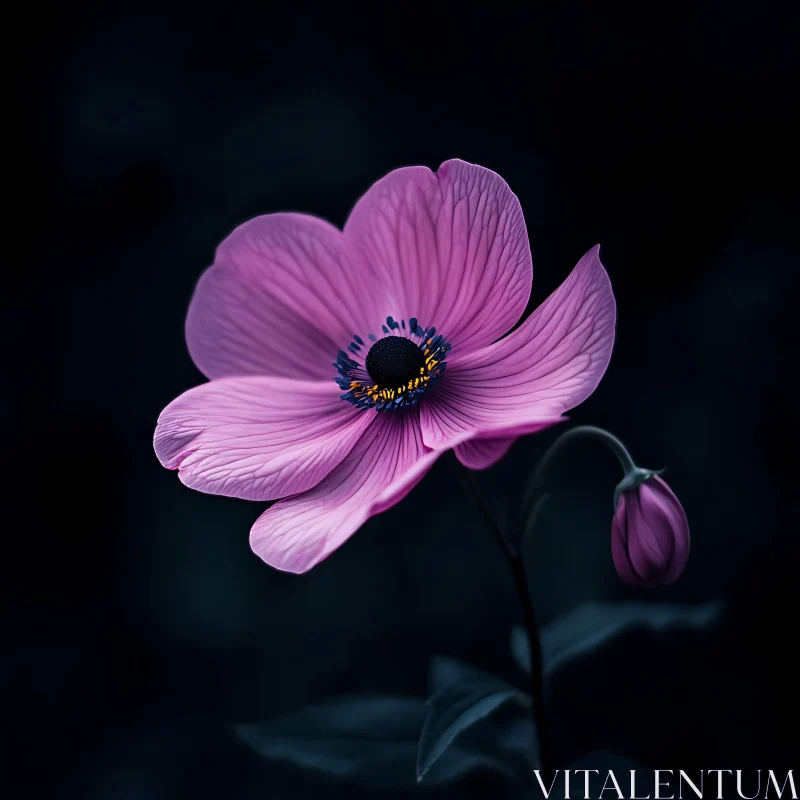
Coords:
649,535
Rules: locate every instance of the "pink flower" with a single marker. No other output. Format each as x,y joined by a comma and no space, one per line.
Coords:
649,535
405,310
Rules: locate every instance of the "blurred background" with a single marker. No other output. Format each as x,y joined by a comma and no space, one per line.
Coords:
139,627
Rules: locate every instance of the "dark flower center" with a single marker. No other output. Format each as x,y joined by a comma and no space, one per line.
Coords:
397,370
394,361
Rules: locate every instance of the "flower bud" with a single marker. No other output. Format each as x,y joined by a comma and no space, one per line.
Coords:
649,532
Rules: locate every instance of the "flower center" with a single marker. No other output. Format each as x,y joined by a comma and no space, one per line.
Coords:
399,367
394,361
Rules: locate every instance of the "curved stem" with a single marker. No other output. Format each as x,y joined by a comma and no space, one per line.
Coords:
516,563
614,444
514,556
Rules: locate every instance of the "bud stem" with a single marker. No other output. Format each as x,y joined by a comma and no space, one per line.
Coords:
611,441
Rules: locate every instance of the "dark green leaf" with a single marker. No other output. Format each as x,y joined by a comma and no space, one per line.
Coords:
445,672
457,707
589,626
368,739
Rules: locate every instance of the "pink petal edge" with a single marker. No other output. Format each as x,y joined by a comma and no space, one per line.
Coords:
285,294
550,364
389,459
257,438
452,247
483,453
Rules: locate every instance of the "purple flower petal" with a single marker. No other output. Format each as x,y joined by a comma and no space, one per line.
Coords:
646,555
257,438
283,297
482,453
619,543
451,246
447,418
649,535
389,459
439,258
552,362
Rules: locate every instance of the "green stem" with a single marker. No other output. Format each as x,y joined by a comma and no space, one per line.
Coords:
616,446
633,476
542,757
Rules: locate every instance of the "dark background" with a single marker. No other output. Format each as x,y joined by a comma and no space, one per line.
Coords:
139,626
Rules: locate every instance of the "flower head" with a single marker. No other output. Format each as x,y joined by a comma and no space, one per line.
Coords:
343,363
649,533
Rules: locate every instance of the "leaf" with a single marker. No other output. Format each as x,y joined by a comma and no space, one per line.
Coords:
457,707
589,626
366,739
445,672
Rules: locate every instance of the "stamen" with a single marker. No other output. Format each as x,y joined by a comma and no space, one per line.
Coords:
399,367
